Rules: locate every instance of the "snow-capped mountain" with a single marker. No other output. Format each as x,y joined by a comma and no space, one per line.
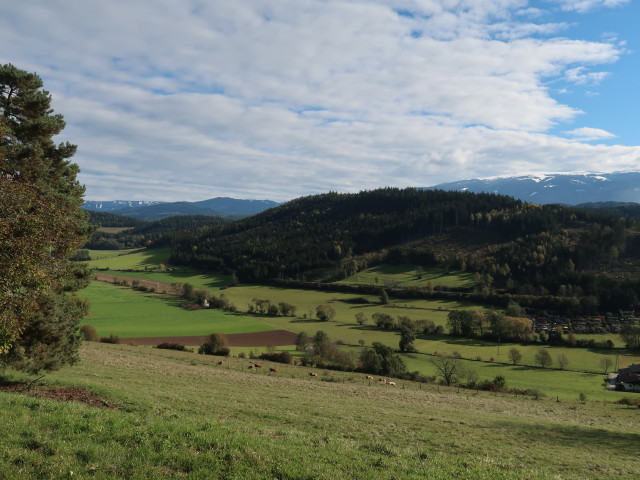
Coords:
571,189
150,211
111,205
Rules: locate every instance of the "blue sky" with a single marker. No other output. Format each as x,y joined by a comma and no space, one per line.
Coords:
196,99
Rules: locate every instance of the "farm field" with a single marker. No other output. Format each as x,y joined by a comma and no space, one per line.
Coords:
407,276
345,329
179,415
129,314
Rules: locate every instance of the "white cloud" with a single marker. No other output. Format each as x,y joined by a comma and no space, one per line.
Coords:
588,134
579,77
583,6
189,100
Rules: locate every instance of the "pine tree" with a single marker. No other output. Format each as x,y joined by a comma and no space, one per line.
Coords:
41,226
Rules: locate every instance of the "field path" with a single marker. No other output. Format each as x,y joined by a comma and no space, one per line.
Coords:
273,338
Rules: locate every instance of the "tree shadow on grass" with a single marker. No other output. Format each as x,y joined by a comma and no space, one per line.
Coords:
558,435
465,342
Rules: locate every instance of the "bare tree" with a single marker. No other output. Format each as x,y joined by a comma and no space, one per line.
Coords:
563,361
514,356
447,367
543,358
606,363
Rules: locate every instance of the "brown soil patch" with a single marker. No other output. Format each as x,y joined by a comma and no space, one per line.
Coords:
273,338
157,286
64,394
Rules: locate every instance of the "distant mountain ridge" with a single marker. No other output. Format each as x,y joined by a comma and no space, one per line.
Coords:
113,205
570,189
152,210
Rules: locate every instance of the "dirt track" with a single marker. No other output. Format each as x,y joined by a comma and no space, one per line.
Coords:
274,338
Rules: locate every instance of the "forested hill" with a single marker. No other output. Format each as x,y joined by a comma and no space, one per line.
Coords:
320,232
147,234
589,259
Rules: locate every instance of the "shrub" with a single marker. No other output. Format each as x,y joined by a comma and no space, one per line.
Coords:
325,312
500,382
89,333
173,346
110,339
280,357
215,345
630,402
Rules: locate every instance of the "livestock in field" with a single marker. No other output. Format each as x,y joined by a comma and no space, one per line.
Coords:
274,370
391,383
312,374
369,377
257,365
220,362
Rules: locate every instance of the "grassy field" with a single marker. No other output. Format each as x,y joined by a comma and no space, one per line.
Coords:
129,259
141,319
408,276
178,415
124,312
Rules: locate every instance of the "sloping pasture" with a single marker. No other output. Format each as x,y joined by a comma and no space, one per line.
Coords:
178,415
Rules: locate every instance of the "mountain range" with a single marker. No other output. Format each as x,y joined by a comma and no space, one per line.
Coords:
151,211
570,189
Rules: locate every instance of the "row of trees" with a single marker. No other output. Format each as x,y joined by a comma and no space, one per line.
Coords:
491,325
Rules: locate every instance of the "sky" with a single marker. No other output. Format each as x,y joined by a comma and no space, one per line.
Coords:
197,99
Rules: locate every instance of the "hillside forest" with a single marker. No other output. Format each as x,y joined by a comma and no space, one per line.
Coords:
549,258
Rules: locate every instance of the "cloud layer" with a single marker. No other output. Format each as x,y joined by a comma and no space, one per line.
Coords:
190,100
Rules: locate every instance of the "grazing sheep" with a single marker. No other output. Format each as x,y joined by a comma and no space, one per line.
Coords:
312,374
220,362
274,370
382,380
369,377
391,383
250,367
257,365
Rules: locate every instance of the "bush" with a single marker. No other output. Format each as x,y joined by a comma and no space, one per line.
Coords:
173,346
215,345
630,402
89,333
110,339
280,357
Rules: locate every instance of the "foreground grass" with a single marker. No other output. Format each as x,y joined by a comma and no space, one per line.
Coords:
181,416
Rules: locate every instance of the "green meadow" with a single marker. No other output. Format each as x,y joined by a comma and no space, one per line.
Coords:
127,313
179,415
135,314
410,276
128,259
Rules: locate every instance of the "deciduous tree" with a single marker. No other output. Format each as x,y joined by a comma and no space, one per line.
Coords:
514,356
447,367
543,358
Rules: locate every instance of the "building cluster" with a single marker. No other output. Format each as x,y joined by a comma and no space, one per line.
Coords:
608,323
628,379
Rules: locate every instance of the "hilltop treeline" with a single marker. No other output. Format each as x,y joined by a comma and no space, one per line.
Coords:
106,219
321,231
160,233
